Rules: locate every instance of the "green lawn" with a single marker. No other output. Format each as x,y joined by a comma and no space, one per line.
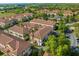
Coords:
77,17
4,14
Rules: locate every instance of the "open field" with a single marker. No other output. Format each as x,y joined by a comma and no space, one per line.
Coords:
4,14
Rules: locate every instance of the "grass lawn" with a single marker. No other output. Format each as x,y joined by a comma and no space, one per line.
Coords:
77,17
6,14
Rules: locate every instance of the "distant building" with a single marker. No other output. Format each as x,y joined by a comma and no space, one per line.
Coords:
17,17
67,13
43,22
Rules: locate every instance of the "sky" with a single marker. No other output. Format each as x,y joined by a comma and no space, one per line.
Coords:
39,1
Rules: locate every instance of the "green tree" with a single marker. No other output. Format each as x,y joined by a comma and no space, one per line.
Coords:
59,51
66,50
58,45
63,50
26,36
45,16
51,44
61,25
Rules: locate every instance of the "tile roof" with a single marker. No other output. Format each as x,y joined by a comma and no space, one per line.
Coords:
16,44
17,28
4,39
21,15
41,33
41,21
4,19
32,25
67,12
19,46
40,30
43,30
56,11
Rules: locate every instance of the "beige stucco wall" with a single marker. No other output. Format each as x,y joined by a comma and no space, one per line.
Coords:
14,34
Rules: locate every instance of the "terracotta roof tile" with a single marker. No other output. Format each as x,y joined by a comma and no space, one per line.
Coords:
4,39
17,45
41,21
41,33
18,29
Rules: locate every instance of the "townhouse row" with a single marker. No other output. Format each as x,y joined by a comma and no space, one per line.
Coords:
12,41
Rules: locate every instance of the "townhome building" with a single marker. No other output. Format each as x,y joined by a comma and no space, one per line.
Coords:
13,19
16,31
67,13
44,28
43,22
37,29
2,22
12,46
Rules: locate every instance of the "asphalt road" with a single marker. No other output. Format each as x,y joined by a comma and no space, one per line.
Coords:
73,39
